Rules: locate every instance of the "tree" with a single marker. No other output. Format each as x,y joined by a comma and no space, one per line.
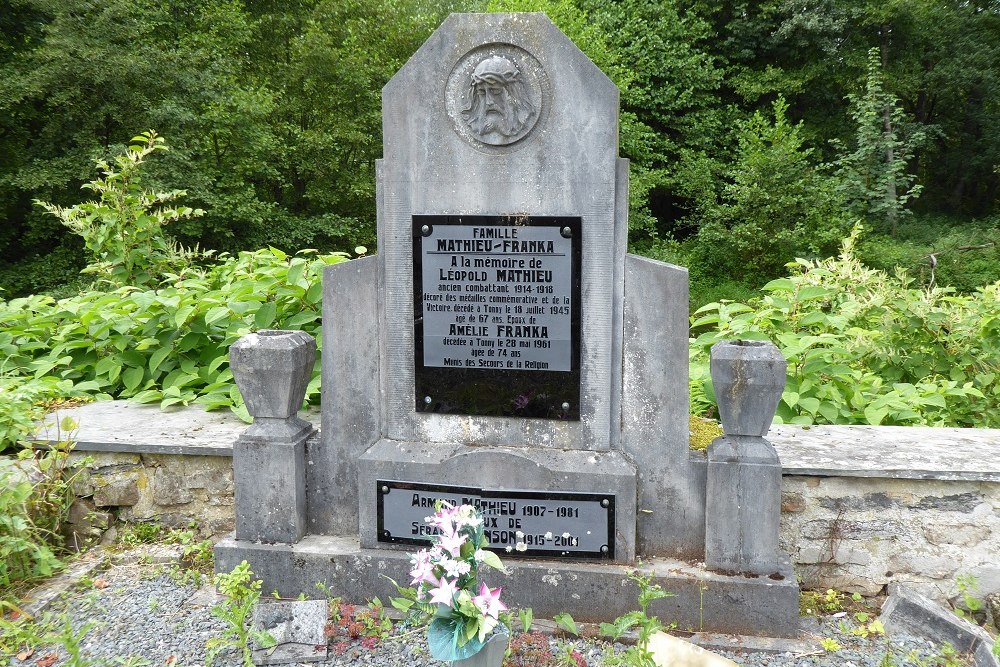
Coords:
874,175
775,206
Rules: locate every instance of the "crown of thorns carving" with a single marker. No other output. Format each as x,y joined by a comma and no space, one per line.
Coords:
495,69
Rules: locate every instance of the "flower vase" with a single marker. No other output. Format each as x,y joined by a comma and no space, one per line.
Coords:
490,655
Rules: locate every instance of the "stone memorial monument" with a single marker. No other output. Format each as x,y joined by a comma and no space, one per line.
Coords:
503,350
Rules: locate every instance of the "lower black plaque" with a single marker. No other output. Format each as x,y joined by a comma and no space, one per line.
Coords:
521,523
497,315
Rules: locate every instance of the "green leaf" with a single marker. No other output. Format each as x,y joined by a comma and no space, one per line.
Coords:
148,396
566,622
216,314
809,404
157,358
811,292
315,292
180,317
132,377
295,272
264,317
491,559
875,415
779,284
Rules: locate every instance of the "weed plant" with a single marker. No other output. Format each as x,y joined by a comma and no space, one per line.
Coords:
242,592
36,492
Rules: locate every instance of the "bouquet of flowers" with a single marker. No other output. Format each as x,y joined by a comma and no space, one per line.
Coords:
446,579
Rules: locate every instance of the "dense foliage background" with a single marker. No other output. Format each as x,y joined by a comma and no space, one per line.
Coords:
759,132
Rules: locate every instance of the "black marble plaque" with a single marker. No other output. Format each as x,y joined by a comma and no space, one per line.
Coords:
497,315
516,523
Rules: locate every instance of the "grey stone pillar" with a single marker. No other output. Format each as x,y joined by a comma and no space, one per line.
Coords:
743,501
272,370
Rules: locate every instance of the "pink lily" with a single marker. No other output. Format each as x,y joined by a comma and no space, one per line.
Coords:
488,601
423,570
452,543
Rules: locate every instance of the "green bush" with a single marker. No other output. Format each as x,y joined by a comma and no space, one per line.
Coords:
35,498
865,347
777,205
168,345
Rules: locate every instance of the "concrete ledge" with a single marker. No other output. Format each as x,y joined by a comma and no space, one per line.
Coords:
590,592
130,428
895,452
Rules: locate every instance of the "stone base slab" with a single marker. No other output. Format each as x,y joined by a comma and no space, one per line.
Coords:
590,592
510,468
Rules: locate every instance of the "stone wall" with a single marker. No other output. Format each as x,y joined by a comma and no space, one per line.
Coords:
861,505
176,490
860,533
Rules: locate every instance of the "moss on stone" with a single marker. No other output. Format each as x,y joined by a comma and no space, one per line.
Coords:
703,431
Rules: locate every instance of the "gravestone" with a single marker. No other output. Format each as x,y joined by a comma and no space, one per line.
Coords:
502,349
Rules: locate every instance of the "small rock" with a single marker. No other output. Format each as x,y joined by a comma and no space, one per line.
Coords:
670,651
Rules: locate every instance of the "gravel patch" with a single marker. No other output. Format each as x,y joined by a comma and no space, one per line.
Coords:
139,613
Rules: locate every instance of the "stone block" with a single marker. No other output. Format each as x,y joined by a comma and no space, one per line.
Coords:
846,555
291,654
793,503
270,490
351,394
119,490
854,529
811,555
654,407
940,531
743,506
168,488
84,524
907,611
511,468
670,651
298,622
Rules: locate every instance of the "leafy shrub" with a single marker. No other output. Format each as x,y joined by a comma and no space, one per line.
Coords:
864,347
26,397
123,229
168,345
35,497
967,253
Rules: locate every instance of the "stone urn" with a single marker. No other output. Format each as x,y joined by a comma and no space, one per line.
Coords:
748,377
272,369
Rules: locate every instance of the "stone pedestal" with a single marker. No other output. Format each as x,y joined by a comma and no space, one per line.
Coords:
743,506
743,495
272,370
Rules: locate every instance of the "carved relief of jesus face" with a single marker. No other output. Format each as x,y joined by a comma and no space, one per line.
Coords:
497,101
